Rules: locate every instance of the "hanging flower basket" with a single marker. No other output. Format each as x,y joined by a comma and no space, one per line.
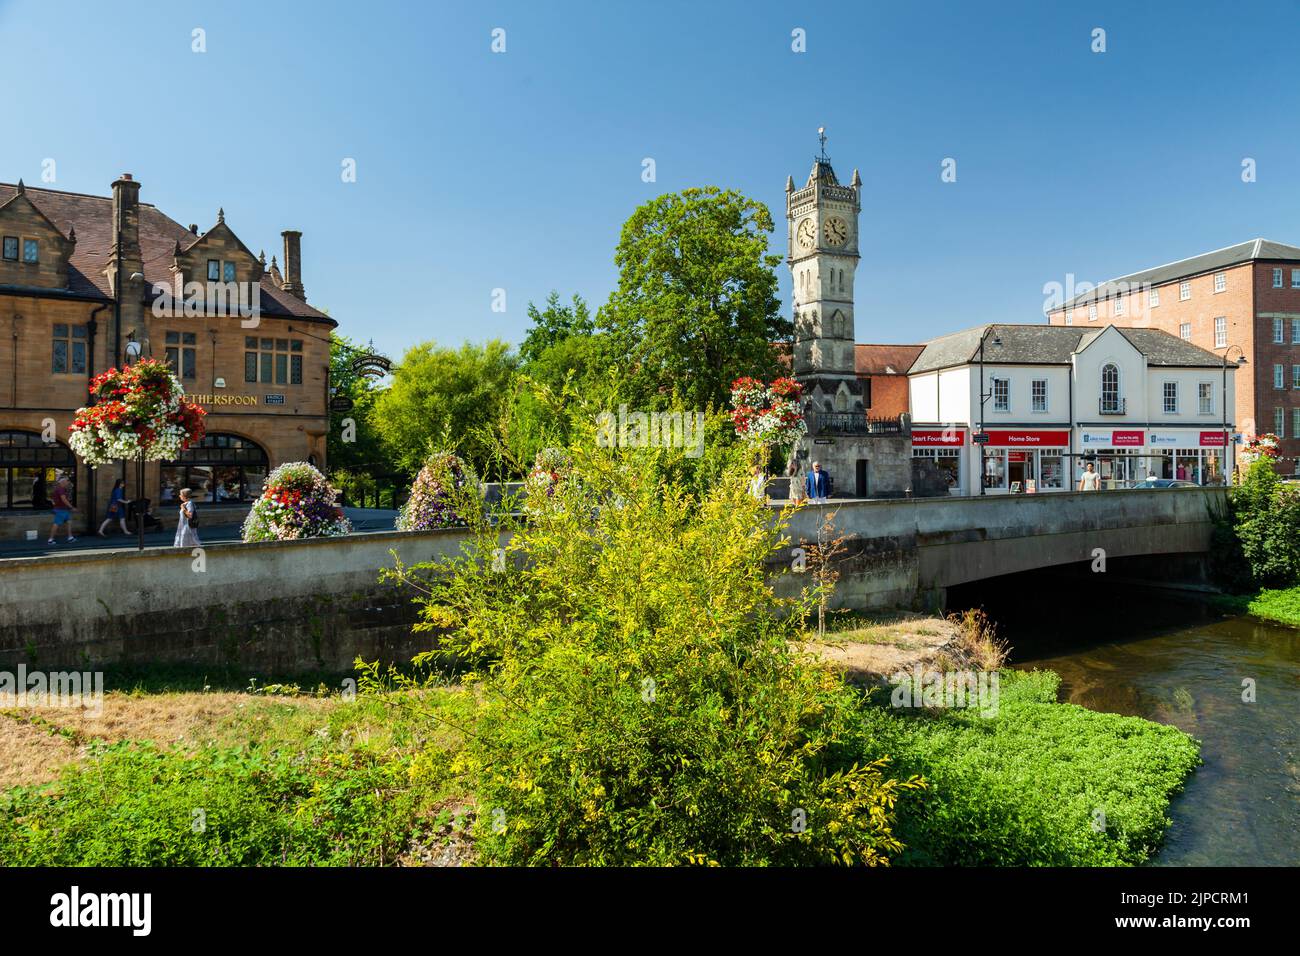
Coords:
297,502
768,414
442,483
1261,446
139,409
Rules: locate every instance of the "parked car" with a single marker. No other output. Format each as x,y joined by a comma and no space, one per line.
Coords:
1165,483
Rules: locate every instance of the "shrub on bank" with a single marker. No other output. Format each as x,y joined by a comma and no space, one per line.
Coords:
1257,537
640,700
1039,784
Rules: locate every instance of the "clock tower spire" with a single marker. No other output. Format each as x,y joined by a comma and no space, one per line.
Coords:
822,219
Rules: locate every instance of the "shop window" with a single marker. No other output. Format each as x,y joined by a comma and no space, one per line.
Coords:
272,361
31,251
1205,396
68,355
994,471
181,353
11,248
221,468
946,460
1171,398
29,467
1051,471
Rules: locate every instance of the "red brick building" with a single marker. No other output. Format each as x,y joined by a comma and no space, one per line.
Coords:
1243,300
882,371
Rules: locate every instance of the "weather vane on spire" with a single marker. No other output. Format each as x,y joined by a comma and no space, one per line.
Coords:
821,136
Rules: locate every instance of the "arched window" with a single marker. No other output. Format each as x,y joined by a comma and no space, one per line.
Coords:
1110,388
220,468
29,467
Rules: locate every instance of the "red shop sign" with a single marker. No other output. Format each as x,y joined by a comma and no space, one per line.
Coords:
1007,439
1127,439
1212,439
1017,456
951,437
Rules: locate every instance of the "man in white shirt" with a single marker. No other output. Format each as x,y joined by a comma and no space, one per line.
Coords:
1089,480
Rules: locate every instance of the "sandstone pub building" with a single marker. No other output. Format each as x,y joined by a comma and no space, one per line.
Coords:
84,285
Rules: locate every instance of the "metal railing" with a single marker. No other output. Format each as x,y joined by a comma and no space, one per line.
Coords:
854,423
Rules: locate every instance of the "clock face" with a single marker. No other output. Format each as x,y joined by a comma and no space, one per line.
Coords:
837,231
807,234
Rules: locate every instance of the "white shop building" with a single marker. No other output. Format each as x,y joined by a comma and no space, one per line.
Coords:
1024,408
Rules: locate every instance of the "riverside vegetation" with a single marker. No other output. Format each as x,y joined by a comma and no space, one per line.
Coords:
1257,547
626,690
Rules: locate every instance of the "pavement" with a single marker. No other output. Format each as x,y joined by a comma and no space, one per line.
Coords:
363,519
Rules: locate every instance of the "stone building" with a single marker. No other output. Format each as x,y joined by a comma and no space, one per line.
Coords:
86,281
866,454
1240,301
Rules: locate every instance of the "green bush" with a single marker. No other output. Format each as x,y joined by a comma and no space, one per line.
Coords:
1039,784
640,703
1257,539
1282,606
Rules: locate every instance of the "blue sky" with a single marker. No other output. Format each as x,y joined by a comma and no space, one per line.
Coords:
478,171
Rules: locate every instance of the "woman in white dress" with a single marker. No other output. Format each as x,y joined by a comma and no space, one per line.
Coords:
185,534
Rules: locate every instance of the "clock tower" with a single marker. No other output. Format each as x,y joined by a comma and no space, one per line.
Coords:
822,219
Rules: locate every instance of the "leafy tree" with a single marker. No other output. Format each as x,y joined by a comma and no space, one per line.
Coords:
1257,540
554,324
365,453
444,397
696,304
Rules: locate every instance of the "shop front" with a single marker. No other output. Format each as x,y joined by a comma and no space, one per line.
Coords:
944,447
1119,456
1187,454
1025,461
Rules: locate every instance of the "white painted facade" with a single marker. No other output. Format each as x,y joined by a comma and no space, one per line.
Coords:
1046,421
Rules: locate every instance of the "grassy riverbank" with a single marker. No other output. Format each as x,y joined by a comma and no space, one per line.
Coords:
287,776
1281,606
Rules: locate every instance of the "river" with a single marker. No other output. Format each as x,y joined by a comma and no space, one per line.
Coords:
1142,652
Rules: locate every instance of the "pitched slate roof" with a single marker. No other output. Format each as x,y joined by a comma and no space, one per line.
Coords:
1053,345
884,359
92,217
1206,262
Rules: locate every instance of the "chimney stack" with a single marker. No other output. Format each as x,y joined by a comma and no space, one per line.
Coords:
126,224
293,263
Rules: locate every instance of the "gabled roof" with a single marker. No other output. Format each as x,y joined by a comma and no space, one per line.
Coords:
1206,262
92,217
884,359
1053,345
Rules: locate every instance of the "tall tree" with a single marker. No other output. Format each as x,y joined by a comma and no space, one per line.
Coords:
356,446
696,303
444,398
554,324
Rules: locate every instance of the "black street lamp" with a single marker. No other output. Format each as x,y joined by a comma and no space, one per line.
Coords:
1241,362
133,350
984,397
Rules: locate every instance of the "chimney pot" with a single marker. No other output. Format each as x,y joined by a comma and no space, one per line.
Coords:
126,176
194,228
293,263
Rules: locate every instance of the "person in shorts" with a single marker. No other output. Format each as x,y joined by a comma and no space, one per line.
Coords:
61,498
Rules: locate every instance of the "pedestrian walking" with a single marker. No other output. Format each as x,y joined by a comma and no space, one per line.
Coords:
1089,480
62,500
189,519
116,507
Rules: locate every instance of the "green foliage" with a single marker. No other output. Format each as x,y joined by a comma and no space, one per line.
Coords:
366,453
553,325
640,703
1039,784
696,304
1257,538
1282,606
442,392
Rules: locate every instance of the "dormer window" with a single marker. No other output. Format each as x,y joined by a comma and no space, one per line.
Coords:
11,248
31,251
214,270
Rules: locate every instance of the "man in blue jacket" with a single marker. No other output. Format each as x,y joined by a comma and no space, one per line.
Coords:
817,485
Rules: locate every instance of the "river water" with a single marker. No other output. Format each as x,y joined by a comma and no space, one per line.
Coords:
1141,652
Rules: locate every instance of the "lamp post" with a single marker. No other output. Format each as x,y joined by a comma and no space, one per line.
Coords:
1240,363
984,397
133,350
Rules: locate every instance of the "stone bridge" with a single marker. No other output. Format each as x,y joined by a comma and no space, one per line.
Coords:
909,552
